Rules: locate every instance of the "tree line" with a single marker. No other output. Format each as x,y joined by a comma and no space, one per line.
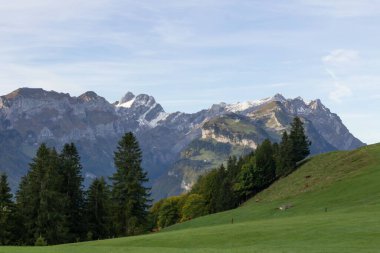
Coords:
52,207
241,178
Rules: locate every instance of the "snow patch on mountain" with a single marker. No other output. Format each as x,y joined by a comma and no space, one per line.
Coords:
161,117
127,104
242,106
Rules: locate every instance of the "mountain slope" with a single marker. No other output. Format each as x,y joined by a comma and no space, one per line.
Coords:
29,117
335,202
245,125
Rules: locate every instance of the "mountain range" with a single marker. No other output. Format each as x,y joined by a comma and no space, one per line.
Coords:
177,147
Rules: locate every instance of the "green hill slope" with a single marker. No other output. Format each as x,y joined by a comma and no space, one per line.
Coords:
335,207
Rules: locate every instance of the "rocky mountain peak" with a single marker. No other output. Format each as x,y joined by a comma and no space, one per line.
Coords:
33,93
25,92
144,100
132,101
279,97
127,97
90,96
317,105
218,108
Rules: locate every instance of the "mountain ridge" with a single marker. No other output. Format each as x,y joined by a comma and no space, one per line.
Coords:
95,125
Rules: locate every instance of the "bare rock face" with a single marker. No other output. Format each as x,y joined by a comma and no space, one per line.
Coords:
29,117
245,125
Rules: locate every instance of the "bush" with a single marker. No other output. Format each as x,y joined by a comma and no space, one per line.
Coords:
40,241
194,206
89,236
169,213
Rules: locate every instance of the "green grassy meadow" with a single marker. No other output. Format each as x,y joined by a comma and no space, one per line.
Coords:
335,201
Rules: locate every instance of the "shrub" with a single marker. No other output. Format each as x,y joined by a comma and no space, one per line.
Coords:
40,241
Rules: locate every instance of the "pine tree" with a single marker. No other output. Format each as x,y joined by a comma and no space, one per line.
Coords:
130,196
98,209
71,172
265,169
39,199
292,149
284,160
225,198
23,212
299,141
51,221
6,211
233,167
244,185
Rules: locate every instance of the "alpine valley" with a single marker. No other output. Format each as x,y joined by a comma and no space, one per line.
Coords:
177,147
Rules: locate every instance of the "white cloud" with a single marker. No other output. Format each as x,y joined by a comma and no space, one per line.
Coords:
341,57
340,61
340,90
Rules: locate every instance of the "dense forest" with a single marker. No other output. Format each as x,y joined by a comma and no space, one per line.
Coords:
52,207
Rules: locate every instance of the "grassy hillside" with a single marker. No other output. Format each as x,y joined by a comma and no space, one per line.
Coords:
335,201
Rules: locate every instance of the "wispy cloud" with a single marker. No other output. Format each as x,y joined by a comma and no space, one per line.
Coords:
340,57
340,61
339,90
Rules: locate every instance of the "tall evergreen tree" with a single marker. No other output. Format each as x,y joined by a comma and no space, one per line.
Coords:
98,209
284,160
6,211
217,189
40,199
232,167
71,188
292,149
299,141
222,197
23,212
244,185
130,196
265,169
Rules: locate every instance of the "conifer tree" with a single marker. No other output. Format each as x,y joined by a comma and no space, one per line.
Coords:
299,141
6,211
292,149
23,212
265,169
224,198
40,199
245,181
98,209
129,195
232,167
71,188
284,160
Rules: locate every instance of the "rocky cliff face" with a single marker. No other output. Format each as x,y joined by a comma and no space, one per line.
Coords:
245,125
29,117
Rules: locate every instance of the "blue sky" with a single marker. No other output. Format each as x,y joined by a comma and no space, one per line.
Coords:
191,54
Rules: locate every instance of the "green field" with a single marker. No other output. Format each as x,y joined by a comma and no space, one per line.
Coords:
335,201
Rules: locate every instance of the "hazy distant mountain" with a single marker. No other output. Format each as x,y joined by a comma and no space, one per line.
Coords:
177,147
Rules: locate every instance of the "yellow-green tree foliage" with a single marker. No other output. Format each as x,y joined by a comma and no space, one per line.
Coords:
194,206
